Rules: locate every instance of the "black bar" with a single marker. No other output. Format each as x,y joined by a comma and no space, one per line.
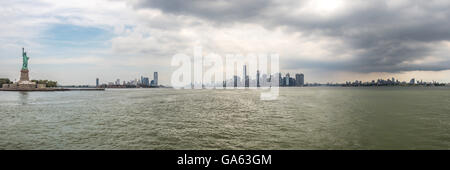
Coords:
278,159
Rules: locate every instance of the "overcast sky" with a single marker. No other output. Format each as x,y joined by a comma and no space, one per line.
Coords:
76,41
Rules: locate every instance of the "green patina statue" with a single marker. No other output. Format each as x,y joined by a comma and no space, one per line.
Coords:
25,60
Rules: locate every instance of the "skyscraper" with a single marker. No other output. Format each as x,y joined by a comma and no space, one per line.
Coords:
299,79
257,78
145,81
245,70
97,82
280,79
155,78
287,79
245,77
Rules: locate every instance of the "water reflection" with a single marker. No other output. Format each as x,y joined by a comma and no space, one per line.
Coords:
23,96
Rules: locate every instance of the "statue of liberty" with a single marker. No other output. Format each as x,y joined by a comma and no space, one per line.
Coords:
24,77
25,60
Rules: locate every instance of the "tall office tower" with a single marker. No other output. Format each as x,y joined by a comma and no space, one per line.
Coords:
302,79
118,82
291,81
145,81
244,77
299,79
287,79
97,82
155,78
279,79
245,71
257,78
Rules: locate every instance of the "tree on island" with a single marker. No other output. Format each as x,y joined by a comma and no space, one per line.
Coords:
4,81
48,83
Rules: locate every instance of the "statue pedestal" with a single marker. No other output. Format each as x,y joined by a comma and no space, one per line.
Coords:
24,75
24,82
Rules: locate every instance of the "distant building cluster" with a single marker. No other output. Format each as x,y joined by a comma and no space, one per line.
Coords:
392,82
287,80
261,80
136,83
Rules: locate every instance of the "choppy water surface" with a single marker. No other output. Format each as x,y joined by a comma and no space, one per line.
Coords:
302,118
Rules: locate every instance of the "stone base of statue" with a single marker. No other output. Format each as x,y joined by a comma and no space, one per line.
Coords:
24,82
24,75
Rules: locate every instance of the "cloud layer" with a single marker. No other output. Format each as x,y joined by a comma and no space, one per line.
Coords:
327,40
381,36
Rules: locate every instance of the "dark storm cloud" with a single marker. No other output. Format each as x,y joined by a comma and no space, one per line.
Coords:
386,36
217,10
363,68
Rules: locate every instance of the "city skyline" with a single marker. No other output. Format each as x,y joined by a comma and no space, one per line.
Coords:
141,82
75,42
264,80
